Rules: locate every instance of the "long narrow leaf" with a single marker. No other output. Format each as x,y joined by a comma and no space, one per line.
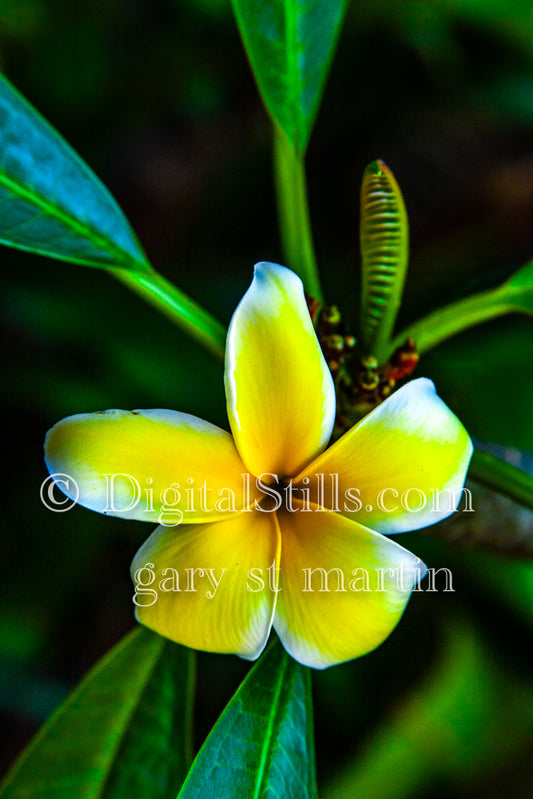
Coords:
50,201
290,44
122,733
262,745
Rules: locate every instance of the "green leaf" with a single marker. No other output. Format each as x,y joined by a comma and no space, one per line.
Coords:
384,253
494,473
50,201
290,45
262,745
121,733
513,296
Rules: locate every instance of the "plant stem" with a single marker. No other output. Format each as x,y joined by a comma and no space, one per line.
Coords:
180,309
293,213
454,318
496,474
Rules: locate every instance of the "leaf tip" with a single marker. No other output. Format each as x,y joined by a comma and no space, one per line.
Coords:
376,169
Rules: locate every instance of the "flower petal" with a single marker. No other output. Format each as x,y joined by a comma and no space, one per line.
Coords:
400,468
343,587
206,598
280,394
168,466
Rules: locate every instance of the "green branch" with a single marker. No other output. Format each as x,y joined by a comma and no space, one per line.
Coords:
496,474
453,319
293,211
177,306
513,296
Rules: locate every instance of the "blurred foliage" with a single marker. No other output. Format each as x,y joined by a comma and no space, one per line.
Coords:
454,727
157,97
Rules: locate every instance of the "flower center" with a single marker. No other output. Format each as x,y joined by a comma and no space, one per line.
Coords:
277,494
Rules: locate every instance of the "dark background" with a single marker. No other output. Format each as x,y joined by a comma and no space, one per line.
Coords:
158,98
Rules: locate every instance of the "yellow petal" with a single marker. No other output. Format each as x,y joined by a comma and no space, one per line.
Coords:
280,394
400,468
199,587
344,587
152,465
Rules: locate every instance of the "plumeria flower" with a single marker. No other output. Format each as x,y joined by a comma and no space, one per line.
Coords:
277,531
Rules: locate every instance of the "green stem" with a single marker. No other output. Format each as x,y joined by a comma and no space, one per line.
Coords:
454,318
496,474
180,309
293,211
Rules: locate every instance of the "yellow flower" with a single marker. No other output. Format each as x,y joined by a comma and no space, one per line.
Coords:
277,531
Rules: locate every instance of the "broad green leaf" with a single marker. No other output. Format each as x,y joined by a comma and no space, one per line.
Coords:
290,45
384,254
262,745
495,473
513,296
122,733
51,203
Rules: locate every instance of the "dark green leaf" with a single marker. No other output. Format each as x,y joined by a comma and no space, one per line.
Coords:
122,733
384,254
50,201
262,745
290,44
